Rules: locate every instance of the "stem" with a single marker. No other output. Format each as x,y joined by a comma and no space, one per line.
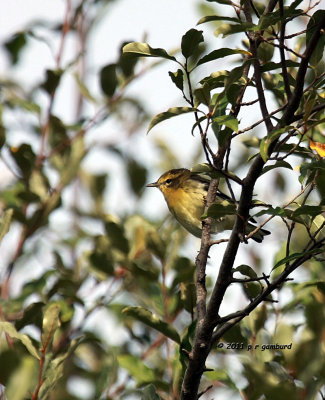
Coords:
41,380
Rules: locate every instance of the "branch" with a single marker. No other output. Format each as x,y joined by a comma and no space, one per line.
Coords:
249,128
282,54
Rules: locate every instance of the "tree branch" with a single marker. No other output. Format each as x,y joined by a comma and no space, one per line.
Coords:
282,54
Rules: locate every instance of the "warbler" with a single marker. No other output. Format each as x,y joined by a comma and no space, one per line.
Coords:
185,194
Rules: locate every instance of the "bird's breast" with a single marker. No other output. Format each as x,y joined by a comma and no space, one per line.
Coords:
187,209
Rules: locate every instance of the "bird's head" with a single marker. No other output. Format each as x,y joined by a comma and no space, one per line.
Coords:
171,180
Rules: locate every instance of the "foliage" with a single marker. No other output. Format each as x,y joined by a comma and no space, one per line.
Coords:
114,305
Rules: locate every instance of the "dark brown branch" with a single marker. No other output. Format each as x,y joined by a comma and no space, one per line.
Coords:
270,7
259,86
206,390
243,280
282,54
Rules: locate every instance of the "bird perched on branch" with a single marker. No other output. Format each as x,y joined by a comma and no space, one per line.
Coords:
185,194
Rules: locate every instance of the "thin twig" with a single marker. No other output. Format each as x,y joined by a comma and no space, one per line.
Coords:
252,233
249,128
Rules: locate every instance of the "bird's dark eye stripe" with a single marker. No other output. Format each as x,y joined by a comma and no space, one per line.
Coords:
168,181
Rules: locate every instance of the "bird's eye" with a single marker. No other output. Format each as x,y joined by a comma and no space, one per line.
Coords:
168,181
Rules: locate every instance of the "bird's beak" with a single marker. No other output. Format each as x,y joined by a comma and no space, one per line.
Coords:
153,184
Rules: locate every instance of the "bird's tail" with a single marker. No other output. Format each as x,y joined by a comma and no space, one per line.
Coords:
259,235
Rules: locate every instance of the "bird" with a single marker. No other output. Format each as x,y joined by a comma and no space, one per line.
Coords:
185,194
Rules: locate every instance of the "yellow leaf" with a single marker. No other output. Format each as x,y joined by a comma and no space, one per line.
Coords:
319,147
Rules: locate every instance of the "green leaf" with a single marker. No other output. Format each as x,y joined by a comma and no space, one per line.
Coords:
190,42
229,29
272,211
256,320
294,256
33,314
202,95
271,65
227,120
9,362
220,53
265,52
52,80
77,153
116,235
137,175
268,140
150,319
233,91
273,18
144,235
9,328
309,210
26,104
309,169
108,79
184,270
22,381
221,376
136,368
226,2
219,210
211,18
215,80
15,45
100,258
126,62
223,135
54,372
39,185
50,324
138,49
149,393
278,164
2,135
58,133
201,168
186,344
171,112
24,157
318,52
245,270
188,296
251,289
235,75
5,220
84,91
197,123
177,78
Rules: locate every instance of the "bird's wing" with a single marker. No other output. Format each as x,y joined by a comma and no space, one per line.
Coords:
205,179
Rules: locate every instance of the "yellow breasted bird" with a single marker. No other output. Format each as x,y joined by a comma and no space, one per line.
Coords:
185,194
